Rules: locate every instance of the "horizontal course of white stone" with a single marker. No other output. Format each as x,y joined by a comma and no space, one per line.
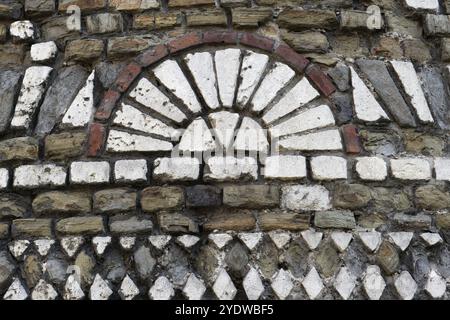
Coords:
229,168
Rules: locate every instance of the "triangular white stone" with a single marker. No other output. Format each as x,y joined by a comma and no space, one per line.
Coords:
431,239
251,137
251,240
188,240
100,289
194,288
100,244
224,124
197,138
341,240
220,239
71,244
344,283
370,239
313,284
43,246
44,291
128,290
72,289
224,287
159,242
312,238
436,285
373,282
405,285
18,247
16,291
401,239
366,106
162,289
127,243
253,285
280,238
81,110
282,284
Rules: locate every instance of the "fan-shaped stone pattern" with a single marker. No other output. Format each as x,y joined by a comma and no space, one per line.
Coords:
31,92
151,97
80,112
121,141
274,81
171,75
202,68
366,106
227,64
251,137
130,117
253,66
298,96
224,124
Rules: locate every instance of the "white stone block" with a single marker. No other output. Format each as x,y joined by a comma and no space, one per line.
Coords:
314,118
401,239
227,67
305,198
4,178
250,239
371,168
179,168
370,239
312,238
128,289
18,247
44,291
197,138
431,239
405,286
326,140
71,245
285,167
411,169
38,175
43,51
408,77
341,240
16,291
224,124
151,97
432,5
130,170
329,168
251,137
230,168
442,168
436,285
298,96
187,240
253,66
170,74
89,172
273,82
23,30
220,239
100,289
43,246
100,244
72,289
159,241
120,141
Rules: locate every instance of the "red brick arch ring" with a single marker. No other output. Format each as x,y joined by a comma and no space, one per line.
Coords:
97,130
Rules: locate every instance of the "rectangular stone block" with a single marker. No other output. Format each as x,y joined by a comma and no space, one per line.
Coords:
80,225
130,171
306,19
114,200
62,202
176,169
251,196
130,225
31,176
84,172
104,23
84,50
23,148
335,219
230,221
230,168
250,17
4,178
285,167
413,221
84,5
133,5
442,168
188,3
203,196
64,145
305,198
411,169
206,18
329,168
174,222
24,228
437,25
162,198
283,221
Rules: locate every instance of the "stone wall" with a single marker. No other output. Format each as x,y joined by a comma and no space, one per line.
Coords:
313,138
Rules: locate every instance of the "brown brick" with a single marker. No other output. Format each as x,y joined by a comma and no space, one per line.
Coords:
84,50
220,37
144,21
81,225
97,135
321,80
293,58
255,41
206,18
351,139
132,5
31,228
167,20
308,19
250,17
23,148
126,46
230,221
187,41
62,202
152,55
107,105
284,221
115,200
84,5
162,198
64,145
127,76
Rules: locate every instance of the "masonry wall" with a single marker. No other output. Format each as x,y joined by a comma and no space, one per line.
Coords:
336,186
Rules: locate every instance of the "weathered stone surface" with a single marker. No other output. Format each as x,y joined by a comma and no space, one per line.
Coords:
176,261
32,176
295,257
417,50
351,196
283,221
37,8
418,221
174,222
203,196
381,143
56,269
341,76
437,25
57,29
207,263
89,172
13,206
23,228
133,5
432,197
64,145
23,148
251,196
411,169
130,224
104,23
299,197
206,18
114,200
125,46
230,221
443,221
162,198
327,260
62,202
308,41
83,50
9,84
237,260
6,269
304,19
378,74
4,230
250,17
13,54
86,263
390,199
59,96
387,257
81,225
144,262
32,270
335,219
